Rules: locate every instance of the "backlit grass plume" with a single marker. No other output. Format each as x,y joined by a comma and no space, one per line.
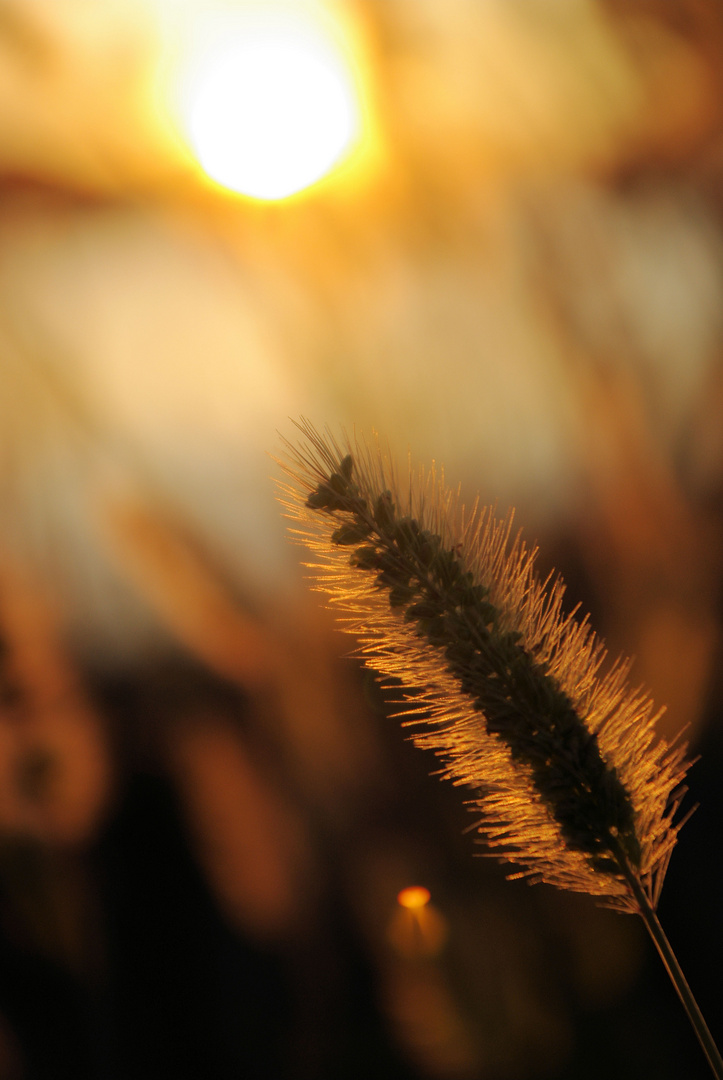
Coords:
507,690
570,782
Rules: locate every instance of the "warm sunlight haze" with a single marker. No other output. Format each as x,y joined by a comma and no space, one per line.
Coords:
271,106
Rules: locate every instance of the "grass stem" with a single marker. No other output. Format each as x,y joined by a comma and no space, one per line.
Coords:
675,972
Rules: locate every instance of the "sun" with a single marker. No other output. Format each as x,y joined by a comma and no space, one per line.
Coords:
272,105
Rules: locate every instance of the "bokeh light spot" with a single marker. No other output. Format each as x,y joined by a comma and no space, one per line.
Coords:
413,897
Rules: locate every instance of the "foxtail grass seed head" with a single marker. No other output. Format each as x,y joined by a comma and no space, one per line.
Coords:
570,783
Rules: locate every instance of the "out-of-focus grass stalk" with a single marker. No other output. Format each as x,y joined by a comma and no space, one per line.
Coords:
571,783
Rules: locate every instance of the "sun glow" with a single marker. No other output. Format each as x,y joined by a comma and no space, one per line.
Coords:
271,104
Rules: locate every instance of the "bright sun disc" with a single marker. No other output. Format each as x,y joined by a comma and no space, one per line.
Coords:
273,108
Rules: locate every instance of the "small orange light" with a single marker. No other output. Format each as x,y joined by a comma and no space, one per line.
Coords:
416,930
414,897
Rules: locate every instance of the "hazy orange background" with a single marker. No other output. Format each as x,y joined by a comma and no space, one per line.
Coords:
518,273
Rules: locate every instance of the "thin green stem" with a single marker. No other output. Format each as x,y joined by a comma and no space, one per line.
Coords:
675,972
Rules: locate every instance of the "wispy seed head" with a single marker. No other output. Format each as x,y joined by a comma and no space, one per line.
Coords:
570,782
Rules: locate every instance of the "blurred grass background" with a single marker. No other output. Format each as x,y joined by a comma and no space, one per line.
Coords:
205,814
